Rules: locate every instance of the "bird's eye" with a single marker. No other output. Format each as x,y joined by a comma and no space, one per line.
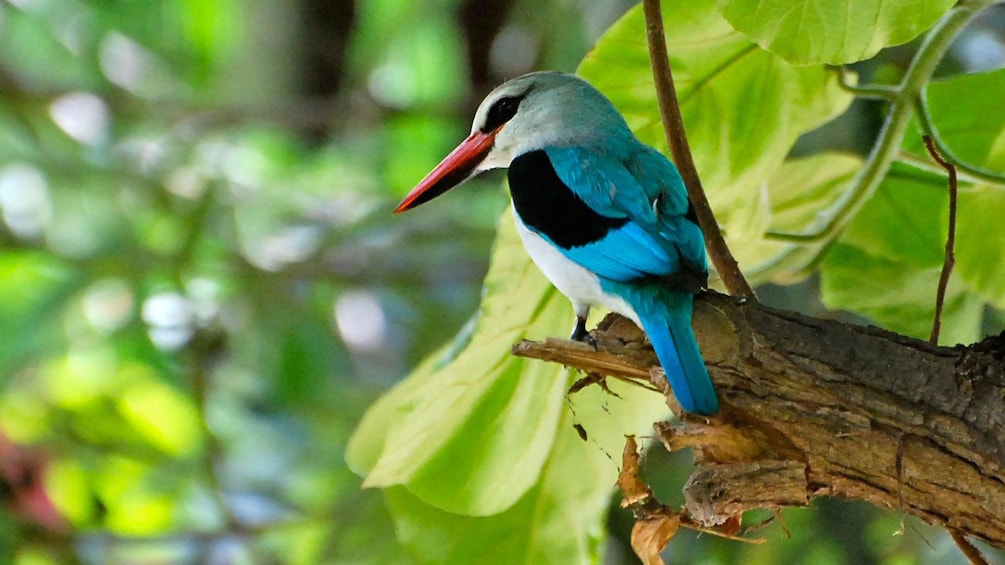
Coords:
501,112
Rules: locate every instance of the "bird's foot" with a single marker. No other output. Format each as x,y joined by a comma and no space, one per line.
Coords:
580,333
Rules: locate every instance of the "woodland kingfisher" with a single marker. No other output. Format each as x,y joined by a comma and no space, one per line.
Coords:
605,217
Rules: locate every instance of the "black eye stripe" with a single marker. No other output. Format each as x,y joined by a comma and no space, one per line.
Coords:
501,112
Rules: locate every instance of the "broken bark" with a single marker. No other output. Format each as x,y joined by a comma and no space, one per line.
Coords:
814,407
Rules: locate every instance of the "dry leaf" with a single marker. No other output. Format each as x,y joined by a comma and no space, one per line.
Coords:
650,536
633,490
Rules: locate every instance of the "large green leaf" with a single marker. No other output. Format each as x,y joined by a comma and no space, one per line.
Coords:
975,134
905,220
887,264
980,242
797,192
966,113
897,295
471,436
743,107
831,31
559,520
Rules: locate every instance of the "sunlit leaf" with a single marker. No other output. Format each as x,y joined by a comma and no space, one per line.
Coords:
67,483
560,519
471,436
897,295
831,31
798,192
210,27
966,112
980,242
905,220
887,264
413,54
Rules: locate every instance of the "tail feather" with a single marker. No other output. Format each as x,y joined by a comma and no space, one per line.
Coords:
669,330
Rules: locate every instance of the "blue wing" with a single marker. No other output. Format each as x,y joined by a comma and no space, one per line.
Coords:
644,188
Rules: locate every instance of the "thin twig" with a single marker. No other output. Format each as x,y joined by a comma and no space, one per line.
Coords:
969,550
673,126
950,260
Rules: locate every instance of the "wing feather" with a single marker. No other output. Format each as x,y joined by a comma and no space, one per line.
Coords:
658,240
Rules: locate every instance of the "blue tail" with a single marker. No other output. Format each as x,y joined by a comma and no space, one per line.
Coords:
668,325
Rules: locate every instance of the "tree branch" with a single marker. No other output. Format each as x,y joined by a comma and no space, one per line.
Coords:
673,126
827,409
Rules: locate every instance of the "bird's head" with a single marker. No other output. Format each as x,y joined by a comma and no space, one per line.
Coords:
537,110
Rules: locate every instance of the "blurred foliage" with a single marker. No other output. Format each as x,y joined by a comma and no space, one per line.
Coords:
202,289
199,293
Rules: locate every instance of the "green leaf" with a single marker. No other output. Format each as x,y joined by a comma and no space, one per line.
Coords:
975,134
887,263
560,520
743,107
905,220
471,437
831,31
797,192
897,295
975,130
980,242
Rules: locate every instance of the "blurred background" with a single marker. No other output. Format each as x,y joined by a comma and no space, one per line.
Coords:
202,287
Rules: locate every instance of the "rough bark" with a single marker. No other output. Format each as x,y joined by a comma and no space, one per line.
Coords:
814,407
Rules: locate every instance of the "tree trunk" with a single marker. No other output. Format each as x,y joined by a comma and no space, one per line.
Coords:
815,407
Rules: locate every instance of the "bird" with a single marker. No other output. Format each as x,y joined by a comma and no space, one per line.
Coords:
604,216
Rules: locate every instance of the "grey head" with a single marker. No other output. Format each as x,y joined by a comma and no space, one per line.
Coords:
546,109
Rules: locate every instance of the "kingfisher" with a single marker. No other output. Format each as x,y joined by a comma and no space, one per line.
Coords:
605,217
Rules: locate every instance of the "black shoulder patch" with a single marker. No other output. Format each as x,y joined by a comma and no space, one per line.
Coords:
547,205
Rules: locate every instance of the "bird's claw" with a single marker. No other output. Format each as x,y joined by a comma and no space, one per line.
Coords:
580,333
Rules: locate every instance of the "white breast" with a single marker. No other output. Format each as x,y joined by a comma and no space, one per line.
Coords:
579,285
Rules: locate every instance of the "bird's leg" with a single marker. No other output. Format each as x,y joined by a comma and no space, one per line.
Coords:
580,333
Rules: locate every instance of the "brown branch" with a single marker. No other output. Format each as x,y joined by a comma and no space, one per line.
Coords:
950,260
820,408
973,554
673,126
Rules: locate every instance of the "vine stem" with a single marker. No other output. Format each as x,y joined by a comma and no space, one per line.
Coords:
673,126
